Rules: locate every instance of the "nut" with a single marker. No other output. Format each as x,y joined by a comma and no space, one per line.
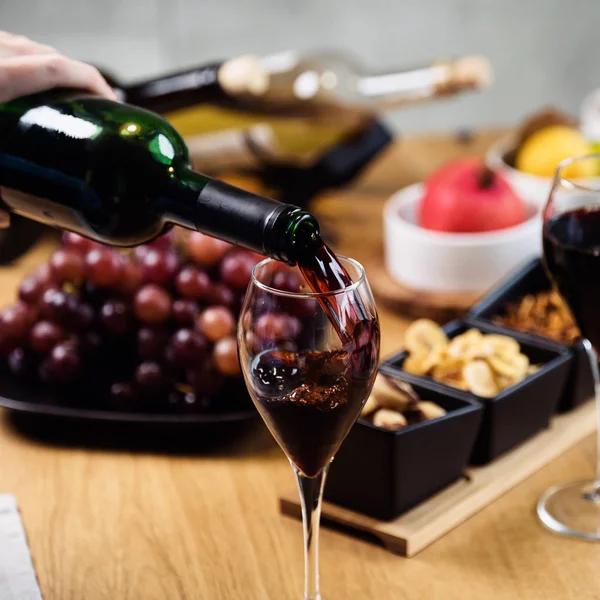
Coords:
388,396
431,410
389,419
370,406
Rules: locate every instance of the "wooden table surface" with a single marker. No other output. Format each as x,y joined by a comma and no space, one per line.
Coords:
116,525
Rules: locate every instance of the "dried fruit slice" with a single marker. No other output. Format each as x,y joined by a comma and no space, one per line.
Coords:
480,379
450,372
435,357
503,382
501,345
423,336
511,366
466,345
414,364
532,369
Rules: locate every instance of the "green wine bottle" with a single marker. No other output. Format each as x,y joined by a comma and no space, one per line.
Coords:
121,175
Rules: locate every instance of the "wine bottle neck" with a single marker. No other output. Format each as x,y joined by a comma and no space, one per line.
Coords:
178,90
439,79
403,85
266,226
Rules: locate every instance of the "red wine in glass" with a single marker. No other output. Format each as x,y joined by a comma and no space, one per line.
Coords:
572,254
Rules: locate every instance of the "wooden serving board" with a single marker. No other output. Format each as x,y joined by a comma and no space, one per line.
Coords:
439,306
411,532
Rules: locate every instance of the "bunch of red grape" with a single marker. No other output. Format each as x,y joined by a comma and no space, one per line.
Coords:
152,328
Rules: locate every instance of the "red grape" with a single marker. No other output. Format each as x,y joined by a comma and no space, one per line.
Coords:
116,317
150,376
6,346
221,294
205,379
286,281
83,317
189,347
123,394
164,241
19,362
185,311
216,322
63,364
67,265
45,335
253,343
31,289
225,356
152,304
191,282
78,243
236,269
277,326
205,250
159,267
58,306
132,277
151,341
44,274
104,267
90,342
15,321
139,252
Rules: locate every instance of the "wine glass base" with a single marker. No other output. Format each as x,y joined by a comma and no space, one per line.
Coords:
572,509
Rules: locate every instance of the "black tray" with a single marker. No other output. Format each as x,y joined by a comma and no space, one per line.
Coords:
33,398
384,473
531,279
515,414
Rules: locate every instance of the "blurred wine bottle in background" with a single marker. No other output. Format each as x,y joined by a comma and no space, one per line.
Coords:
303,123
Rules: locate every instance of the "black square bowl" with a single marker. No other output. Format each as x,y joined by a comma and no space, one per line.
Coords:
383,473
518,412
531,279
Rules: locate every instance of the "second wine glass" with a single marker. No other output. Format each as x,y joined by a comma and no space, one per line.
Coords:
571,237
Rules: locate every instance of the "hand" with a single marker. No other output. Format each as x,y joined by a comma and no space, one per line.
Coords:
27,67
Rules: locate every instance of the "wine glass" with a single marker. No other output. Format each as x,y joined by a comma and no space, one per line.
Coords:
571,238
308,385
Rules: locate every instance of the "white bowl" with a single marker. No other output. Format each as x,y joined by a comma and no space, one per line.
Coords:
533,188
452,262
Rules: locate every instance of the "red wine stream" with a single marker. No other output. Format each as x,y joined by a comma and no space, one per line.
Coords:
324,273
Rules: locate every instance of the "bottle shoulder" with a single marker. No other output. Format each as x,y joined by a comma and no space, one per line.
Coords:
83,117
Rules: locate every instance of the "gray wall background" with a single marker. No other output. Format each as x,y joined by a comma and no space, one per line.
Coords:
543,51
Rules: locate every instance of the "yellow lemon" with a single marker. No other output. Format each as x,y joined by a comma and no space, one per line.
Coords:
541,153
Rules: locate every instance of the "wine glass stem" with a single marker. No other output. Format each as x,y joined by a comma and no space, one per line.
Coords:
593,358
311,495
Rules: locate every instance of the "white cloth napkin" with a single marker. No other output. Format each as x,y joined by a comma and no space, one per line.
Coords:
17,576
